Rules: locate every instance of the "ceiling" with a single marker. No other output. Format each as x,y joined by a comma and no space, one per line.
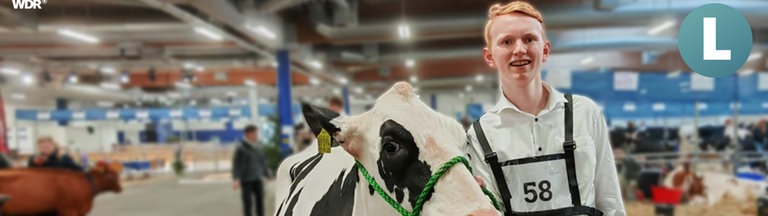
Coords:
153,50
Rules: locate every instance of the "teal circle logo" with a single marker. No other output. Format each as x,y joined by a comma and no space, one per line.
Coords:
715,40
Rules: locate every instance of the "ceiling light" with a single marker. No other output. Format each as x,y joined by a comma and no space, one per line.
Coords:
249,83
208,33
661,27
316,64
410,63
125,78
10,71
358,90
108,70
28,79
314,81
479,78
263,31
468,88
19,96
414,79
587,60
78,35
231,94
188,65
200,68
343,80
404,30
73,77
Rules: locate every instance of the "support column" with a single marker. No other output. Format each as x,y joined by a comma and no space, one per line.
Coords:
284,98
61,104
345,95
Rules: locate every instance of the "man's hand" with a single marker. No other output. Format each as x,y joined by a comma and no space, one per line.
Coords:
235,185
480,181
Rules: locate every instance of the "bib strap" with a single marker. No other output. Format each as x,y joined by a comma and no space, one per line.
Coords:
493,160
569,146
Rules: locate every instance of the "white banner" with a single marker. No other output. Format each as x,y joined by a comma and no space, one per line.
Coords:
43,115
176,113
702,83
659,107
78,115
762,81
113,114
625,81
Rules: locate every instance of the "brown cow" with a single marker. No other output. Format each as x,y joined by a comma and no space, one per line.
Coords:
68,193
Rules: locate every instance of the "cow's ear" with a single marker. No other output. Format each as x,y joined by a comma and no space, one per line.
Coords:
319,118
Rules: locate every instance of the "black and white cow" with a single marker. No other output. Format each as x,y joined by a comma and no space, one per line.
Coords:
401,142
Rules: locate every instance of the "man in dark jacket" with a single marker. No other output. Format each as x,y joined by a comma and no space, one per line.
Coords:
248,169
49,156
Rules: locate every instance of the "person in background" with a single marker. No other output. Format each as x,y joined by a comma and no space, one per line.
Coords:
760,134
302,137
50,156
249,168
336,104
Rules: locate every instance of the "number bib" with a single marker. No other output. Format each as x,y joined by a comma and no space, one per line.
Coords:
538,184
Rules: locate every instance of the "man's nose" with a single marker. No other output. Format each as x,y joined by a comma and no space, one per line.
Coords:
518,48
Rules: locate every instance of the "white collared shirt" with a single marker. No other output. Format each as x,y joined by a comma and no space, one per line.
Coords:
514,134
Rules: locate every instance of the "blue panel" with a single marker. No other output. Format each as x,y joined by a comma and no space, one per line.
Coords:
30,115
127,114
95,114
61,115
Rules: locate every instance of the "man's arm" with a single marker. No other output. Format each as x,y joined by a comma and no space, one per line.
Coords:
236,164
69,163
607,191
480,168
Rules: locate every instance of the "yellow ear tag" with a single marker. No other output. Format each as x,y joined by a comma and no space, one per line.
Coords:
324,142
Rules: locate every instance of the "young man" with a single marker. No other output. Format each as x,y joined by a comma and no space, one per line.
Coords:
249,167
49,156
539,150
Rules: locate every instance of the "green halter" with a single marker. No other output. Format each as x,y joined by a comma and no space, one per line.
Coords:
427,188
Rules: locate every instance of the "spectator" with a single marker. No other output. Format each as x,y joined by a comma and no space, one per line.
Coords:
303,137
336,104
249,167
49,156
760,134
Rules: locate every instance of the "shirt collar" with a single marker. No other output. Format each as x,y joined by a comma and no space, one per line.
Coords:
555,99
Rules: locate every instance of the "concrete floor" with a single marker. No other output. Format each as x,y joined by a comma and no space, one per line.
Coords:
169,196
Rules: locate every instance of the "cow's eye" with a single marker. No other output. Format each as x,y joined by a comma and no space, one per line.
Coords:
391,147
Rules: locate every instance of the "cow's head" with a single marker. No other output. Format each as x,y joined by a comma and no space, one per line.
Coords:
402,142
106,176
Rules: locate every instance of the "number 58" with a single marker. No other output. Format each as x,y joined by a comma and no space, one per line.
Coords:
530,189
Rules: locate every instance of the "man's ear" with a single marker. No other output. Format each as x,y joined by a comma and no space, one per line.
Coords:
488,58
319,118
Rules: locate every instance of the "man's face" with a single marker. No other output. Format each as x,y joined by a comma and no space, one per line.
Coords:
335,108
517,48
46,148
252,136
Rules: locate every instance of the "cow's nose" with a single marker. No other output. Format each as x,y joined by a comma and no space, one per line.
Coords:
485,212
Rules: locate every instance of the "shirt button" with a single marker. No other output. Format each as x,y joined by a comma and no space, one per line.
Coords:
536,119
539,148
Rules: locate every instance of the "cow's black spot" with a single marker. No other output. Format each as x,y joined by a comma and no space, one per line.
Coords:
371,190
399,163
304,169
294,200
295,171
340,198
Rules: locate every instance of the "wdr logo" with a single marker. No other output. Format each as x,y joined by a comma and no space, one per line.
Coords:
28,4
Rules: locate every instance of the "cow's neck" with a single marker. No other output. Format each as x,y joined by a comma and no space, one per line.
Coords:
367,203
94,184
